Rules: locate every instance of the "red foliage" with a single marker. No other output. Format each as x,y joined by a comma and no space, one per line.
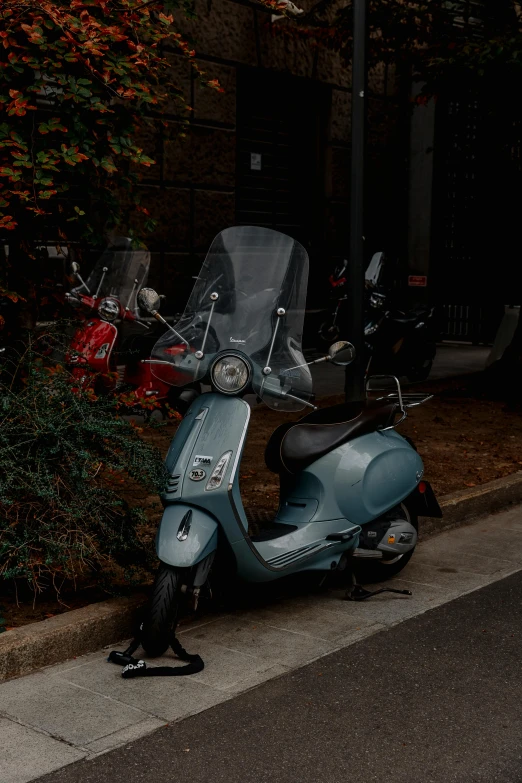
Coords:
78,78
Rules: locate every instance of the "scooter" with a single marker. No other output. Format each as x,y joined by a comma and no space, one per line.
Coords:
396,341
350,485
400,341
330,328
112,334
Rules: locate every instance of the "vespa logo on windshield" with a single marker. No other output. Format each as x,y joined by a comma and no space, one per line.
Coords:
292,373
233,340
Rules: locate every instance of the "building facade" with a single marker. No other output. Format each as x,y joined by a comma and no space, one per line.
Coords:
272,150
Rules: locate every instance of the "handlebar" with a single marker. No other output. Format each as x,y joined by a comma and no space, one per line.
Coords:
91,303
83,299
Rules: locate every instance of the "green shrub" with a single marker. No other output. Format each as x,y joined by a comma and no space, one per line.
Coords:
65,459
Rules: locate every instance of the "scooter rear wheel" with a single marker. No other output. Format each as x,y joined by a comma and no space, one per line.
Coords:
162,612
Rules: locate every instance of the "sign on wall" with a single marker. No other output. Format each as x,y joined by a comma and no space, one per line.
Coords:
418,281
255,161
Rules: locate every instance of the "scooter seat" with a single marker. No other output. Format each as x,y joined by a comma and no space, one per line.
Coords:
294,445
401,318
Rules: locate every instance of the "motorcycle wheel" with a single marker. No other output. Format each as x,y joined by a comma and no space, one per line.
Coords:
368,571
329,333
161,617
421,372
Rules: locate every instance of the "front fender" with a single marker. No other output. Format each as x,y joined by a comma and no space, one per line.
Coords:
94,342
186,535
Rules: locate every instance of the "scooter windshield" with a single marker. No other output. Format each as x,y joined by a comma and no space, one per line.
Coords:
120,272
249,299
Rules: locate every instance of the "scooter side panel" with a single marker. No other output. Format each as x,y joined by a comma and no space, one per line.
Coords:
362,479
197,529
390,477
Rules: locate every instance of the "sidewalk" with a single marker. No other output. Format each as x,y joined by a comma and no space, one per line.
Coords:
83,708
435,699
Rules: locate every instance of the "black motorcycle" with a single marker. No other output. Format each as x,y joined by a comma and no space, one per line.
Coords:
398,342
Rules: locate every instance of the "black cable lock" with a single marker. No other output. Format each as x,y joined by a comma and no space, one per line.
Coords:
134,667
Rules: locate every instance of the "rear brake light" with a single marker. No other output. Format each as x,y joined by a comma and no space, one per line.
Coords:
422,487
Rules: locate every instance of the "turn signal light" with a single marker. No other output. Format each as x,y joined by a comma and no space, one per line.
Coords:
218,474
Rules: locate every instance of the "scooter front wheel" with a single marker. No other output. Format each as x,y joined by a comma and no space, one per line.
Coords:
162,612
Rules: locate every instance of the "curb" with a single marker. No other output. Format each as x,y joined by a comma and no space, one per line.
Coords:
465,506
66,636
80,631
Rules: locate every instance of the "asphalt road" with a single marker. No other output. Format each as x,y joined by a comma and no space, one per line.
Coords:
433,700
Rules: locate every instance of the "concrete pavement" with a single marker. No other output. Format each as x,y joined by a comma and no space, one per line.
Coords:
435,699
83,708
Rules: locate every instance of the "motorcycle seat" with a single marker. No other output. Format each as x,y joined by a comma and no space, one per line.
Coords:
419,313
295,445
402,318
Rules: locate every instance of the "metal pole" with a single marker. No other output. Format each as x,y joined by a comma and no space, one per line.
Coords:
354,384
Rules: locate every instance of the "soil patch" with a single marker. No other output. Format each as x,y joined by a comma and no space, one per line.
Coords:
25,608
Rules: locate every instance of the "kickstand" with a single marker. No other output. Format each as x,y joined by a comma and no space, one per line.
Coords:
357,593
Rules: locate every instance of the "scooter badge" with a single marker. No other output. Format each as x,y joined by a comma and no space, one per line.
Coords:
101,353
201,460
197,475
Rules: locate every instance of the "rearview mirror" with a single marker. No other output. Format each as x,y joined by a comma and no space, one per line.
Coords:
149,300
75,266
341,353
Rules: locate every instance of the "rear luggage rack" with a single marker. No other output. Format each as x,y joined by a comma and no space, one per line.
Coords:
408,400
404,401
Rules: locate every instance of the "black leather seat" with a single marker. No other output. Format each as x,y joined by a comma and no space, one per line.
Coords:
295,445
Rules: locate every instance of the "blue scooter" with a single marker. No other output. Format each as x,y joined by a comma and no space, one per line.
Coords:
350,485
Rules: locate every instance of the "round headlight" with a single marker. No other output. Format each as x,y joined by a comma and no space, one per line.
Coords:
109,309
230,374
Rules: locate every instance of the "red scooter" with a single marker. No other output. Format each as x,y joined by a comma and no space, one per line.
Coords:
110,350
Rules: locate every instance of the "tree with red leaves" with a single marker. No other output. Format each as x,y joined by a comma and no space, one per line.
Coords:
78,79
